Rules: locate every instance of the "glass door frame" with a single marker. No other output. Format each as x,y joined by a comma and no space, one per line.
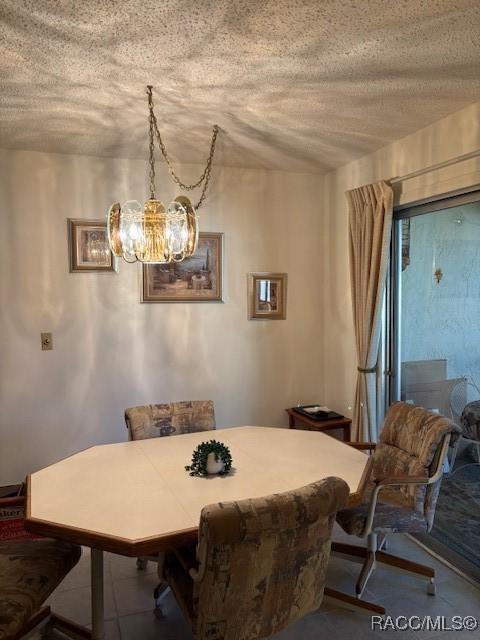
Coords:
390,348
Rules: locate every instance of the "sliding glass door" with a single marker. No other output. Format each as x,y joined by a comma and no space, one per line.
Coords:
435,348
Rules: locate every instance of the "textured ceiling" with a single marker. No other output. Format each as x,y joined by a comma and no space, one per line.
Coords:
298,85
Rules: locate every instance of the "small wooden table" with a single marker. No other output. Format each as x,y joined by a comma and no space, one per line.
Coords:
309,424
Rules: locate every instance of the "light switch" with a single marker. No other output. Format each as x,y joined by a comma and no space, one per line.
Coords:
47,341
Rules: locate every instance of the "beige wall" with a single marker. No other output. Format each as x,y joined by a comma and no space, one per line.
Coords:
449,138
110,351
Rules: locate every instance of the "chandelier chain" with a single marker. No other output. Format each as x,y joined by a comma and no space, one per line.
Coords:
151,146
204,178
208,170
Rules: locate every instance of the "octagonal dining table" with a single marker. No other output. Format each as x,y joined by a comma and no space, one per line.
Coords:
136,498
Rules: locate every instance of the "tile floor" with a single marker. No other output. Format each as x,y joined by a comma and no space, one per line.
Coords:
129,601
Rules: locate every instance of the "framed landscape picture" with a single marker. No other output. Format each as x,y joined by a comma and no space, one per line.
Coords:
88,246
195,279
267,296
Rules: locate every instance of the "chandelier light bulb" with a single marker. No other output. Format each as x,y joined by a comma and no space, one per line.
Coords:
153,234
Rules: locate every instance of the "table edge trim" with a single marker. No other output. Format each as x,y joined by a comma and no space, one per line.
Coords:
104,541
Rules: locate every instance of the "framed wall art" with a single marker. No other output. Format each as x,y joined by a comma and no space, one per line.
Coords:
195,279
88,246
267,296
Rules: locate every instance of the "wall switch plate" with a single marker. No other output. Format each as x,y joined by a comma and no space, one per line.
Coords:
47,341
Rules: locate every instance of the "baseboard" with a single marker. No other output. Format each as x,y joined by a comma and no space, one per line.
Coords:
454,561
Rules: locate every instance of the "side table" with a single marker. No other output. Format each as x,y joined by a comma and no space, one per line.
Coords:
299,421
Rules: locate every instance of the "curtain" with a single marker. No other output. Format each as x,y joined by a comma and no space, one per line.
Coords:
370,226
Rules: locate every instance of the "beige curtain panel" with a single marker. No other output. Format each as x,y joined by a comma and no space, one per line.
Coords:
370,226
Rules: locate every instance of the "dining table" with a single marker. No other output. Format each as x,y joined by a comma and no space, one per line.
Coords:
136,498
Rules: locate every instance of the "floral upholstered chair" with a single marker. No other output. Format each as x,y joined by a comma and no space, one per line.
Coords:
30,569
406,469
260,564
169,419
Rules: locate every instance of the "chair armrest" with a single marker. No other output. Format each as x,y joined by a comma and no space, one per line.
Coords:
397,480
388,482
187,558
362,446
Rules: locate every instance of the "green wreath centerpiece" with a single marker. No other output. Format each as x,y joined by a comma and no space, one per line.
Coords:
199,464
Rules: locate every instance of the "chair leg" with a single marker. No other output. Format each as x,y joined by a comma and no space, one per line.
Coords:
368,566
409,567
347,601
69,628
372,555
382,542
366,556
365,572
44,621
142,564
159,593
349,551
357,554
454,454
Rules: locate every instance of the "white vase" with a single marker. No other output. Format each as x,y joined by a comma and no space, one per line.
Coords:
214,466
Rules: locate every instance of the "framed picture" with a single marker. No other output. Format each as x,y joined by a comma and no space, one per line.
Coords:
267,296
195,279
88,246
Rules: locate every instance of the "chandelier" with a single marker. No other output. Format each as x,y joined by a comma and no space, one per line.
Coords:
155,233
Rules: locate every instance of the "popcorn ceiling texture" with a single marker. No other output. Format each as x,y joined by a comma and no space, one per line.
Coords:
296,85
